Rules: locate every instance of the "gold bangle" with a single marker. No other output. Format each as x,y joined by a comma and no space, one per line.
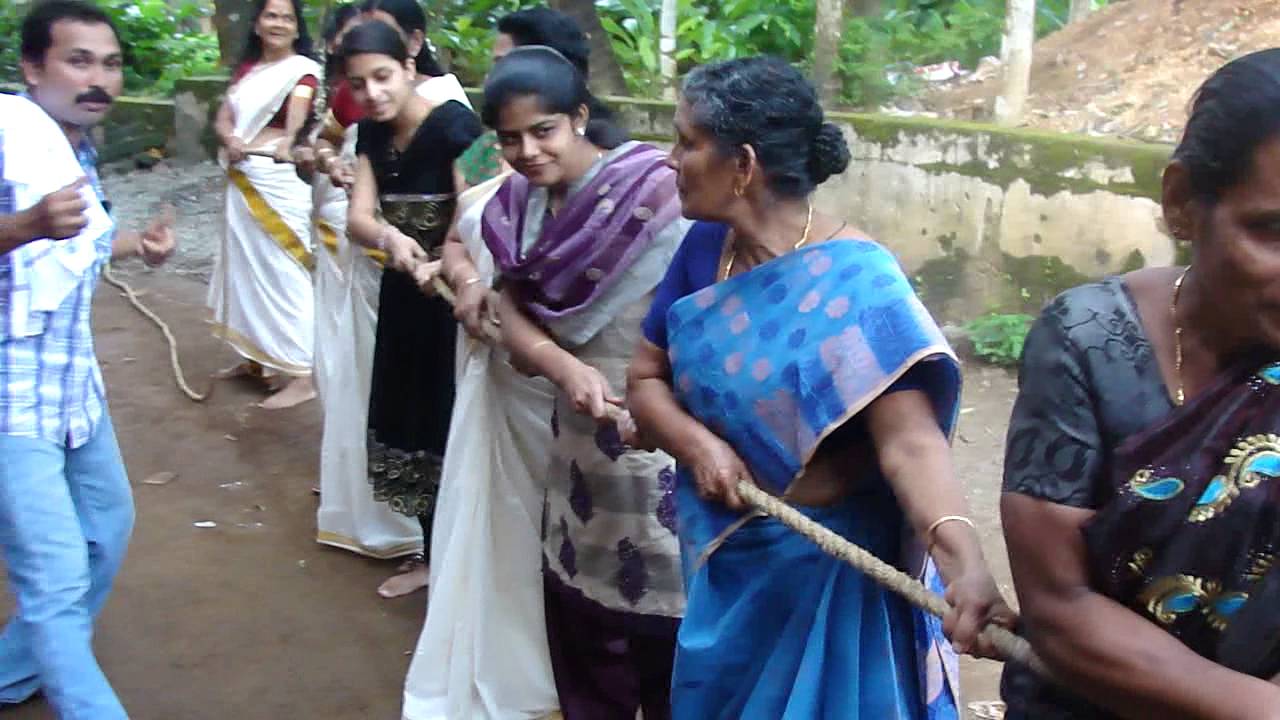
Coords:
942,521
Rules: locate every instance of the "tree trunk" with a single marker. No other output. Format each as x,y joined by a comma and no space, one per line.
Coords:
606,75
826,48
667,46
863,8
1015,52
231,20
1079,10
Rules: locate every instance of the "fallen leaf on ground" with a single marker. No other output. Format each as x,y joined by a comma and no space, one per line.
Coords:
161,478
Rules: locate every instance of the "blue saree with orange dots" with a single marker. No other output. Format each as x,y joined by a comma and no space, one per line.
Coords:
774,361
1192,529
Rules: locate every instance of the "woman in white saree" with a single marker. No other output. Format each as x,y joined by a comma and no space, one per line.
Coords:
261,294
347,278
483,651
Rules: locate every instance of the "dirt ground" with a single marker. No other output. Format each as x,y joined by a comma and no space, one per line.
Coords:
1129,69
252,619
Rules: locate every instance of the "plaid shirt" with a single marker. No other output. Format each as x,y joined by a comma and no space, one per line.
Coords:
50,384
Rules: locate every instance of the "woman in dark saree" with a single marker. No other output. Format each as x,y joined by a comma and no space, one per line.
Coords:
1143,457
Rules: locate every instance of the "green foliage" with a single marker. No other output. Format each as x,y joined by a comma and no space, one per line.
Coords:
463,30
162,42
877,53
705,32
10,22
998,338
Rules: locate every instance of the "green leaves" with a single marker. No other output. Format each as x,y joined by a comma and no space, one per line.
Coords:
162,43
998,338
165,40
465,30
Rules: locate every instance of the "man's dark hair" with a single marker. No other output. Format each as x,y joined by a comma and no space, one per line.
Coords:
37,28
544,26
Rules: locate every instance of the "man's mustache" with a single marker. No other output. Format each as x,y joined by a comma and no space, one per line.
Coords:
94,95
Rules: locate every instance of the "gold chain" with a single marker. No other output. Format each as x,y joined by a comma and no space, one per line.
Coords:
1180,395
804,238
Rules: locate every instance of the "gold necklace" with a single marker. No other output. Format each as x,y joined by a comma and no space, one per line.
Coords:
804,238
1179,394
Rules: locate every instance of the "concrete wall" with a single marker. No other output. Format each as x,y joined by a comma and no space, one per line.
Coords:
982,218
986,218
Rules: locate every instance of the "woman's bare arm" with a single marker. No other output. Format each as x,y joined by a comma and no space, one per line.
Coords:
362,221
1103,650
915,458
660,418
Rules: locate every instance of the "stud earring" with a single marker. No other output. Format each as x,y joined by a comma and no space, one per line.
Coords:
582,132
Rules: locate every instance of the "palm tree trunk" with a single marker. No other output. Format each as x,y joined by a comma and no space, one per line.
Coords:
606,74
667,20
1079,10
826,48
1015,52
231,20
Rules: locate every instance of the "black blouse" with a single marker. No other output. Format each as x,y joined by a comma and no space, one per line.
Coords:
426,165
1089,379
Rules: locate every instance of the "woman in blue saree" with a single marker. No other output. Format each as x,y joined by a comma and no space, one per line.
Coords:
1140,478
785,348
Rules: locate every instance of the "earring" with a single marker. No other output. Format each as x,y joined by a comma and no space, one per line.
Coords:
582,132
738,191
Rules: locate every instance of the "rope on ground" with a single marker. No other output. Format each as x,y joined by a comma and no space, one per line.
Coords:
1010,645
175,364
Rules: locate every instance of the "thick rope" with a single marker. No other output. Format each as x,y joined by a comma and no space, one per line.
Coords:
175,365
1011,646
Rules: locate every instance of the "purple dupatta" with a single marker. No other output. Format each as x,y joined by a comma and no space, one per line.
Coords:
584,250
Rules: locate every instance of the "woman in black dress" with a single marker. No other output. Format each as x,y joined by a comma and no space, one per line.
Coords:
405,155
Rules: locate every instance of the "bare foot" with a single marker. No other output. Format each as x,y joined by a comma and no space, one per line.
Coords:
248,368
405,583
295,392
410,562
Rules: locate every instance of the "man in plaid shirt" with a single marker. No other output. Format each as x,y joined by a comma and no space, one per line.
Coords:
66,509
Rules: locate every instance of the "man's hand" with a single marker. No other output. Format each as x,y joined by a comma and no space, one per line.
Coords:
157,242
60,214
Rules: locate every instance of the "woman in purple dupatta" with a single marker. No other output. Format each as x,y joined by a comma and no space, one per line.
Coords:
1142,475
787,349
580,236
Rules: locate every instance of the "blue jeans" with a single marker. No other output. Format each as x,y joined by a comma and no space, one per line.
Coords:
65,519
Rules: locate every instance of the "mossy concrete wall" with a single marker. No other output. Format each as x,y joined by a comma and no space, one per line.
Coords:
134,125
986,218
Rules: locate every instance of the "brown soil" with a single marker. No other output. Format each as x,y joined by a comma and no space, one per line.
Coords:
251,619
1130,69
